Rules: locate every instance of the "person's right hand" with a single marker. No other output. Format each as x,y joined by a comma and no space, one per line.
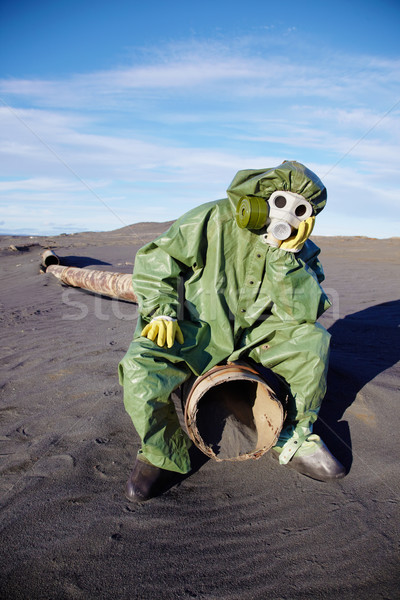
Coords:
163,330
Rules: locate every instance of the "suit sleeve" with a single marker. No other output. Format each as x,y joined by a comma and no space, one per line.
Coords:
161,264
314,265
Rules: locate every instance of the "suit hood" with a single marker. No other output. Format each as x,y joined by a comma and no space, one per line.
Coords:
290,176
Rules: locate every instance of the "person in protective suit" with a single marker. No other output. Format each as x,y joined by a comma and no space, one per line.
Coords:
232,279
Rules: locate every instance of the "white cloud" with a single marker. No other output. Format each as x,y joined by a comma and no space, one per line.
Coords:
180,123
44,184
239,71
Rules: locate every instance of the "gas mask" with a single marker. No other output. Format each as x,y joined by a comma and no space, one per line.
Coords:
283,212
286,211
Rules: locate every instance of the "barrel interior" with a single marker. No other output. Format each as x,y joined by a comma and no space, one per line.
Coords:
235,419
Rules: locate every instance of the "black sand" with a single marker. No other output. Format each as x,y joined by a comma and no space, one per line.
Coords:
246,530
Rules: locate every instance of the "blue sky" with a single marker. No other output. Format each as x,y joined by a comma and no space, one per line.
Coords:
114,113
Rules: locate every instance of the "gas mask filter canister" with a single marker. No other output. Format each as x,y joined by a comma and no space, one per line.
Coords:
252,212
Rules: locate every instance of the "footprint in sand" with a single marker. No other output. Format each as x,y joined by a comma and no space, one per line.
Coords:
53,465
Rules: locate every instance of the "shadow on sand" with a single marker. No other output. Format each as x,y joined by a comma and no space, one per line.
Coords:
80,261
364,344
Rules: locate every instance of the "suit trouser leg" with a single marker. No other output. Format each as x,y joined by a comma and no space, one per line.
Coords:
149,375
298,354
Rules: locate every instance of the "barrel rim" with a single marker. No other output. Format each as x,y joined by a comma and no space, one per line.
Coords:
239,369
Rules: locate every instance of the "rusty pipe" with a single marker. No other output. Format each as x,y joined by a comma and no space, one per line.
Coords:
116,285
50,258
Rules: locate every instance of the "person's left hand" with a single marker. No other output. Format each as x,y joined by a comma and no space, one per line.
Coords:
296,241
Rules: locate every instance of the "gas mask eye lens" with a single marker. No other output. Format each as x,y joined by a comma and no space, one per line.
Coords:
280,202
300,210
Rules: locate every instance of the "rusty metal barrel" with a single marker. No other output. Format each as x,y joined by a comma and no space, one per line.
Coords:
232,413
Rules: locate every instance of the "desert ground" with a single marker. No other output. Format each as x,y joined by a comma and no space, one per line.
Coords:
245,530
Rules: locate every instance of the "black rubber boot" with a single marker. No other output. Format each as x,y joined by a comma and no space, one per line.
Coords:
321,465
147,481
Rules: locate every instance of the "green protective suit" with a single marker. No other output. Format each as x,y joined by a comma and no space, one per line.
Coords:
235,297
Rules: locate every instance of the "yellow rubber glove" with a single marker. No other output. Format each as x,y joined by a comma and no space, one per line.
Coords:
296,241
163,330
